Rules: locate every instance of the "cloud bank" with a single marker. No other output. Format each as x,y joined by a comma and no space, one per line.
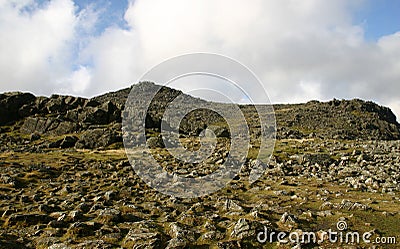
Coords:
301,50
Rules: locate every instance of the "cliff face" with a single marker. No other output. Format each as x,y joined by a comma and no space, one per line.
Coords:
96,122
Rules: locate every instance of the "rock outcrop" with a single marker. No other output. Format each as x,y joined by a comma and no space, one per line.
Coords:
342,119
66,182
96,122
16,105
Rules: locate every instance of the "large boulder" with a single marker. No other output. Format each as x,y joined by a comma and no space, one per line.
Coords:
97,138
14,106
93,115
48,125
106,113
60,103
66,142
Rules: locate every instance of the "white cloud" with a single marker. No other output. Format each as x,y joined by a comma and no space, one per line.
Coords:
34,44
116,59
77,82
301,50
395,106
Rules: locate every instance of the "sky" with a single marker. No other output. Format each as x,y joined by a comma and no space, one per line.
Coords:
300,50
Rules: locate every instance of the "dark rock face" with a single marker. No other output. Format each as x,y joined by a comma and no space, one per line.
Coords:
97,138
60,104
337,119
106,113
50,126
15,105
96,122
193,123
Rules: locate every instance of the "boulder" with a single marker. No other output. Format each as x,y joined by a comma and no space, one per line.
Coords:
82,229
313,158
15,105
97,138
222,132
93,115
60,104
108,215
143,234
155,142
48,125
68,142
28,219
243,228
105,113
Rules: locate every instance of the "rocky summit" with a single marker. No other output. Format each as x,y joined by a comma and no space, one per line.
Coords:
66,181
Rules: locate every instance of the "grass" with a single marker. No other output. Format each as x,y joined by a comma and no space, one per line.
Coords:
249,195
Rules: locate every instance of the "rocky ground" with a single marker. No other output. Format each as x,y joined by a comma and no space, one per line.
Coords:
65,180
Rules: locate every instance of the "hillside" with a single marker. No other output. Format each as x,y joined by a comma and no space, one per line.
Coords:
66,181
96,122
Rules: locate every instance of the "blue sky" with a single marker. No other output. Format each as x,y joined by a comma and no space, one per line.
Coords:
112,12
379,18
301,50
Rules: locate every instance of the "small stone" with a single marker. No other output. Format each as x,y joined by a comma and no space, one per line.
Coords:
242,229
288,219
75,215
109,215
110,195
231,205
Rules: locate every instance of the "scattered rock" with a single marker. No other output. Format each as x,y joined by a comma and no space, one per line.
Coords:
28,219
349,205
243,228
143,235
288,219
108,215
